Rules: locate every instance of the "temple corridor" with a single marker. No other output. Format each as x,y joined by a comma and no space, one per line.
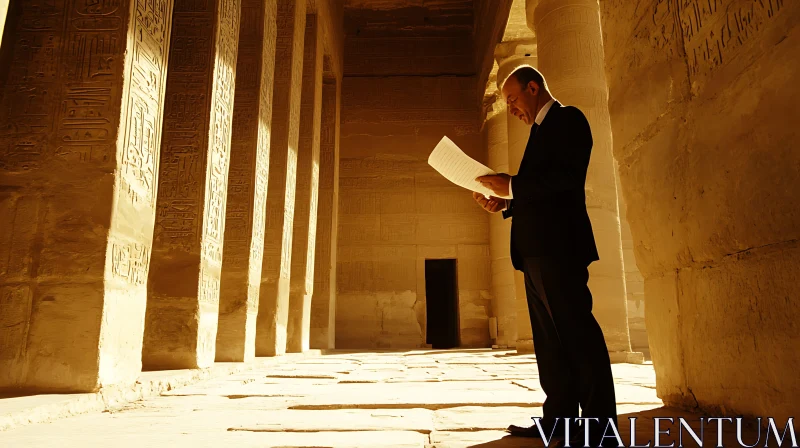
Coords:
219,226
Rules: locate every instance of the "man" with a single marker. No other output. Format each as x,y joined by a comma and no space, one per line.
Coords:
553,245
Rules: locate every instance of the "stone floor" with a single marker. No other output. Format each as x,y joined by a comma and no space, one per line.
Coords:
455,398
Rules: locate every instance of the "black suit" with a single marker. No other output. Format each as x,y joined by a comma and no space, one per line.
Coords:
553,244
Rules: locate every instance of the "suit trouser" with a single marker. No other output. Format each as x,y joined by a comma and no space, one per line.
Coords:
571,352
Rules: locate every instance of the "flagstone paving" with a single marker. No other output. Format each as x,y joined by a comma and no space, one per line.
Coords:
418,398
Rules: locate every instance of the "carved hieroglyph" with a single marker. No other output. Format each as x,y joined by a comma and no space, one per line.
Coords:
305,218
570,56
273,308
245,220
183,289
323,303
80,129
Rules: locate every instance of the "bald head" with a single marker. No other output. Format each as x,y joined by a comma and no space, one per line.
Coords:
525,93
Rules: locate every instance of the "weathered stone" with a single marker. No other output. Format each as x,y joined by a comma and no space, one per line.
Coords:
573,28
518,135
183,286
245,217
323,303
503,286
395,211
306,205
81,111
702,102
273,308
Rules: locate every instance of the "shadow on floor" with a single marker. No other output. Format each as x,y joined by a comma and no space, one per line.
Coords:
752,435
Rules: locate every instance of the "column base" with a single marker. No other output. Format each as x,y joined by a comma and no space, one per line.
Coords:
525,346
626,357
273,318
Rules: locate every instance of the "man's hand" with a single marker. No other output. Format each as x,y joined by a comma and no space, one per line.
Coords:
491,205
498,183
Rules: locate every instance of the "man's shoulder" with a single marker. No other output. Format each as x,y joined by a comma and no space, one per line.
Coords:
568,111
570,116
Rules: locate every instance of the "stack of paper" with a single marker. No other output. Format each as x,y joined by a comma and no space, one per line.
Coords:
451,162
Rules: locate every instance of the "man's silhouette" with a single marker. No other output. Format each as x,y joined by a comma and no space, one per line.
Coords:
553,245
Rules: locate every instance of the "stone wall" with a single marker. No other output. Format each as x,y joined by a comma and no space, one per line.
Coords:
703,102
395,211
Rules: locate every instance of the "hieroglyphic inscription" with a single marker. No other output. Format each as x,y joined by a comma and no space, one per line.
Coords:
184,145
209,287
714,30
220,135
92,58
290,29
130,262
247,173
30,97
145,106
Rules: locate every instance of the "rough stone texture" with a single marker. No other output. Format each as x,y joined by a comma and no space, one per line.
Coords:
80,126
491,18
703,102
634,282
403,38
518,47
395,211
570,56
512,54
273,309
305,220
503,286
323,303
183,283
245,217
411,399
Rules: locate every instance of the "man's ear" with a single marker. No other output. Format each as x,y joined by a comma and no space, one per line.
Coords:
534,87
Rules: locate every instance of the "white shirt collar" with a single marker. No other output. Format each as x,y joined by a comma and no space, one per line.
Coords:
540,116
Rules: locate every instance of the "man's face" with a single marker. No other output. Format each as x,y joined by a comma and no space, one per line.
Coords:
521,100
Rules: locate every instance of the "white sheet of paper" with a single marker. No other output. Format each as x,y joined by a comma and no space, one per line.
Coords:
451,162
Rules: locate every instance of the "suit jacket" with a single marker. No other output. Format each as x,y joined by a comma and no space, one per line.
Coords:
549,205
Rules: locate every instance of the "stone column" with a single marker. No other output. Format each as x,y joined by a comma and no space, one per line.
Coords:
571,60
245,216
305,221
511,55
518,134
503,287
80,131
273,307
183,288
323,303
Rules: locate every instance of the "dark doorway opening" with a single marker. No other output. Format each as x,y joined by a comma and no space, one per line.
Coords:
441,293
